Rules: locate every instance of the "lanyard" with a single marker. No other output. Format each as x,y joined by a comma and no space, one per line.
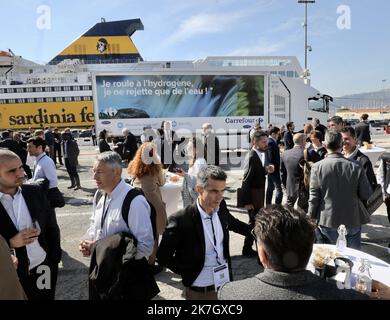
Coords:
212,240
104,215
36,164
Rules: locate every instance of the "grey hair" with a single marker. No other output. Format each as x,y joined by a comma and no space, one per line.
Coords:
7,155
333,140
111,159
125,131
299,139
210,172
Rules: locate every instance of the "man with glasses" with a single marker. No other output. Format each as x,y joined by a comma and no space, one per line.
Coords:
195,243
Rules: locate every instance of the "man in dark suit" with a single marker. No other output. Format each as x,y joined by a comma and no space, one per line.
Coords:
211,145
253,184
38,251
129,145
363,130
285,239
288,136
71,153
351,151
273,153
291,171
195,243
319,127
168,145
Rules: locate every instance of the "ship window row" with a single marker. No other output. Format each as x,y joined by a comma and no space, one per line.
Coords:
45,89
289,74
40,100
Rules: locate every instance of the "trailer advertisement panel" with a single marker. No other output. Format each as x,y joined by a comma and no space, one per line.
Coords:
134,101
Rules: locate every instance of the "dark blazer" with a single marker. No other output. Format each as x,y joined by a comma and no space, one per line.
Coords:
314,155
103,146
182,248
274,285
288,140
254,177
114,274
367,166
130,147
273,154
73,152
362,131
291,172
49,238
15,147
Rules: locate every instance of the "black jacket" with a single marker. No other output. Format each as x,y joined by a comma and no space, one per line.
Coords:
362,131
182,248
114,274
288,140
254,176
367,166
273,153
49,238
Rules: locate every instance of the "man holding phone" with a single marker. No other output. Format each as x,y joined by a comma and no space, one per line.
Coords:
24,210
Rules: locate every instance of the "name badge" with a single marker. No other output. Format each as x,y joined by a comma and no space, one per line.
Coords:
221,275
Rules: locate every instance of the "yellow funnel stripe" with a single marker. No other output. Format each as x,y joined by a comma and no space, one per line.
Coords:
87,46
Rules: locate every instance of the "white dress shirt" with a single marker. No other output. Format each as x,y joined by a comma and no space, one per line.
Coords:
214,253
139,224
261,156
45,168
18,212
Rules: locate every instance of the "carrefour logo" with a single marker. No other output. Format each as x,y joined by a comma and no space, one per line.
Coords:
243,121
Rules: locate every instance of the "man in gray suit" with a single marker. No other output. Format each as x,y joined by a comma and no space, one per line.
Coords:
337,185
291,172
284,239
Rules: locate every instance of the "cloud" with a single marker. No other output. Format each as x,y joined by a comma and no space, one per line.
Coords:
205,23
289,24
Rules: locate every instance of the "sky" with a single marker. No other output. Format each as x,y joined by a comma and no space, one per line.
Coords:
350,39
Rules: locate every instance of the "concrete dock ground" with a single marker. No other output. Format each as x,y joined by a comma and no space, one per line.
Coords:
73,220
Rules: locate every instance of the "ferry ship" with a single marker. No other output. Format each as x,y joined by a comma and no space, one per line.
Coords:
60,93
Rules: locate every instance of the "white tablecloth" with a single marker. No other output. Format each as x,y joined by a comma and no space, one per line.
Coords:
380,270
373,154
171,195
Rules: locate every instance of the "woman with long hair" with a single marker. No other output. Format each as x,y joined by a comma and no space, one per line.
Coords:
147,174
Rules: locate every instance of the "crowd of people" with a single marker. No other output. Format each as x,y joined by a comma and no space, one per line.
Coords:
325,178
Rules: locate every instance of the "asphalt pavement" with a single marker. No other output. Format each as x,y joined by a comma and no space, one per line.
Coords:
73,220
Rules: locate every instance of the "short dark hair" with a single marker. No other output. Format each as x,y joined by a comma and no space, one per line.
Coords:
317,134
274,130
210,172
336,119
287,236
38,141
349,130
289,124
258,135
364,116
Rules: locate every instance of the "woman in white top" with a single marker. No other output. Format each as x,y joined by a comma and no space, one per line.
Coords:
196,153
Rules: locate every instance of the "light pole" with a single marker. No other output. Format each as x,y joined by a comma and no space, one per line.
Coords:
306,73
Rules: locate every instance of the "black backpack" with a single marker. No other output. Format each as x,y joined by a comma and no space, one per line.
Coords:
126,206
